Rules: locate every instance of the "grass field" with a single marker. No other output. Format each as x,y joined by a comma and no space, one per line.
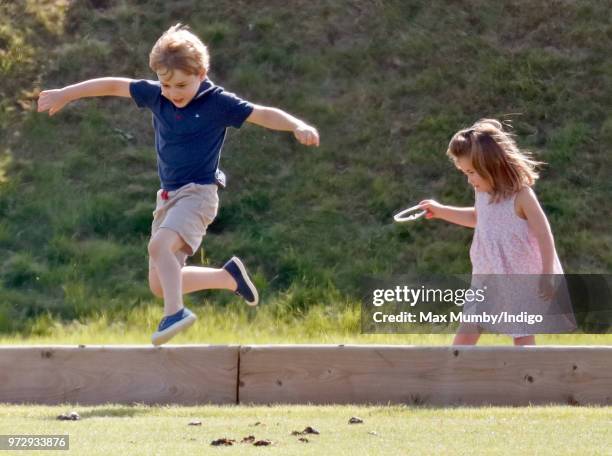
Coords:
386,80
237,324
386,431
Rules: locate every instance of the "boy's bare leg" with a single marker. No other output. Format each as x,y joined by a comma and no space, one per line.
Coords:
162,250
196,278
193,278
524,340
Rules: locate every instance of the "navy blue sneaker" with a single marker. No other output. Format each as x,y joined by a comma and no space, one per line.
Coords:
245,287
171,325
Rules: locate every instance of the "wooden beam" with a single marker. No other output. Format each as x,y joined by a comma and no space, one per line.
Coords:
119,374
425,375
318,374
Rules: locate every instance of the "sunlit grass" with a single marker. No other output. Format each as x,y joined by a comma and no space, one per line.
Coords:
237,324
391,430
77,194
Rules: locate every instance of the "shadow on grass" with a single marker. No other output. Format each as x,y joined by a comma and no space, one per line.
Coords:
125,411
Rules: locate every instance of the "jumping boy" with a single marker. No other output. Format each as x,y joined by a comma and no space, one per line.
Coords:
190,118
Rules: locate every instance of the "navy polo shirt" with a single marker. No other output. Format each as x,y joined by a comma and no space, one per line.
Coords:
189,139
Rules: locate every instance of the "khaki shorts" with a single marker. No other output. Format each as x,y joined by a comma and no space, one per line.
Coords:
188,211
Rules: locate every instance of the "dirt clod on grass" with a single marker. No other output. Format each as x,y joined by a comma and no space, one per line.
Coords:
248,439
195,423
355,420
72,416
310,430
264,442
223,442
307,430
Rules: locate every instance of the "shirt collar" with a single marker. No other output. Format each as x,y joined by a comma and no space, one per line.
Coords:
205,87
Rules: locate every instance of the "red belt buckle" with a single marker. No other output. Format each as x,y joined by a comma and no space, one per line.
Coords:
164,195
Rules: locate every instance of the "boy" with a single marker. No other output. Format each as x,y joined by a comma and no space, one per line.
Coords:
190,118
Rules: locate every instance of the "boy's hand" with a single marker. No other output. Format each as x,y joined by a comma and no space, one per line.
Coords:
52,101
307,135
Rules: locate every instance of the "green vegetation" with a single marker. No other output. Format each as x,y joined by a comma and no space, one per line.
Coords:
237,324
387,83
388,430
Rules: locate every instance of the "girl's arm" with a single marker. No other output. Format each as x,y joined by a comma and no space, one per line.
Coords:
54,100
276,119
528,207
464,216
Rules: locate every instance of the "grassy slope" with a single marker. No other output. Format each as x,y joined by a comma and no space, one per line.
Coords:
386,83
385,431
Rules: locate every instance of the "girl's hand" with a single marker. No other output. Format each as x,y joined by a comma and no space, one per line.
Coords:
547,286
307,135
432,208
52,101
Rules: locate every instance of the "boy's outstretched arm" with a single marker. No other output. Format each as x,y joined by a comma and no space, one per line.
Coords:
54,100
276,119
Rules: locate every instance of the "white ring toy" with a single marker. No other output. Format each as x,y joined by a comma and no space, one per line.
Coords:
402,217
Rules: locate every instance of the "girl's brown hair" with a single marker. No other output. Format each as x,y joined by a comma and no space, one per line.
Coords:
179,49
495,156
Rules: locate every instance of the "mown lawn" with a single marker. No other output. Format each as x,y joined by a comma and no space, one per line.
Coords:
392,430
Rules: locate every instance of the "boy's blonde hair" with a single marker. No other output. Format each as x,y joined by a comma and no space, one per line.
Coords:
495,156
179,49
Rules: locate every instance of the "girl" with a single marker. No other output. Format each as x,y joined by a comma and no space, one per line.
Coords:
512,234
